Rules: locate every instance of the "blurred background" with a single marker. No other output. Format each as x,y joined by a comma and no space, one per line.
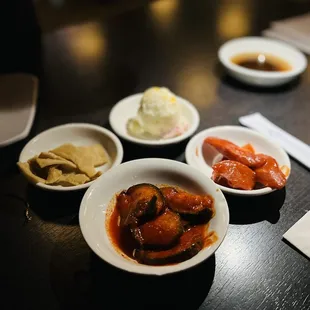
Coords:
80,24
89,54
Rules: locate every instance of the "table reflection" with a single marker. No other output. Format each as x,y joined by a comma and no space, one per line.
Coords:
198,83
86,43
234,19
163,13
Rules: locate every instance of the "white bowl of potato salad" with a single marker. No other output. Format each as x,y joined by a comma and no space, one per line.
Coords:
156,117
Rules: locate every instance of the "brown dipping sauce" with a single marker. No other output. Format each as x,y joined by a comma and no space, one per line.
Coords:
261,62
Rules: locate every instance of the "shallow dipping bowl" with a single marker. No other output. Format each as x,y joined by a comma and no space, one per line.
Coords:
245,45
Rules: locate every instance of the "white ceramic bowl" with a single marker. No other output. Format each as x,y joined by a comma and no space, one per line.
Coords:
94,205
78,134
262,45
128,107
203,158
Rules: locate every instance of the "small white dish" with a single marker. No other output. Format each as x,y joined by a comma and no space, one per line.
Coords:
261,45
78,134
203,157
93,209
18,93
128,107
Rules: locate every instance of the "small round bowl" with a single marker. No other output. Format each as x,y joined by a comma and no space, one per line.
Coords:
93,209
78,134
202,156
296,59
128,107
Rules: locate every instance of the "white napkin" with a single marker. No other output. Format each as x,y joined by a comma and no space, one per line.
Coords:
299,234
294,30
296,148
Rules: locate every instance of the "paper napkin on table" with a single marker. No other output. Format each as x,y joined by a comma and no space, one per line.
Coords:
295,147
299,234
294,30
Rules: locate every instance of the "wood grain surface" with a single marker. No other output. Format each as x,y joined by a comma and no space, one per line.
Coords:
87,63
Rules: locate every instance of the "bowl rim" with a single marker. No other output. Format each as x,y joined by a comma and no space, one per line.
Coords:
255,192
191,130
102,130
262,74
156,270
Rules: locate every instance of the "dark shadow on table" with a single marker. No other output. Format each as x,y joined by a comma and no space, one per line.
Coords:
9,158
54,206
185,290
226,79
134,151
248,210
81,280
295,249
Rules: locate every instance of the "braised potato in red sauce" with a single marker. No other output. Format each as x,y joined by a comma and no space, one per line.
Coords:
160,225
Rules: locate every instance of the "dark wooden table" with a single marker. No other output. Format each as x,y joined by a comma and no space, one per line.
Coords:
88,65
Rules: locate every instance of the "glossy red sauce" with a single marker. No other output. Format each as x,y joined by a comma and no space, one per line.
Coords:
121,238
124,242
249,147
241,168
233,174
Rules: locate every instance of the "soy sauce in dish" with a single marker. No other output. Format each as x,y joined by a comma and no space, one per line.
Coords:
261,62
